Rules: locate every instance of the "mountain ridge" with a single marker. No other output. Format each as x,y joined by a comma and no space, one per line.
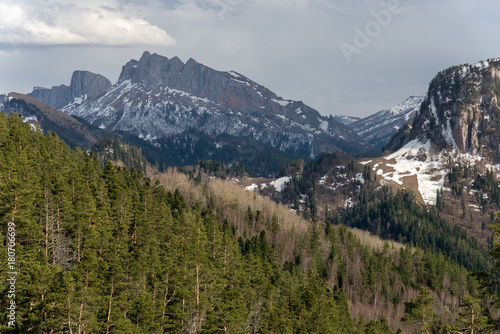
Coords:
73,131
157,97
455,126
378,128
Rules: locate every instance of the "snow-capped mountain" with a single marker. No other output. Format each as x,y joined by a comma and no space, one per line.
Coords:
346,119
156,97
378,128
457,123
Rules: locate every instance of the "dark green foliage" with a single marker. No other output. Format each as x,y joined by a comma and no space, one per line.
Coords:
472,318
385,274
400,217
378,327
491,286
220,170
103,250
460,176
190,147
111,148
419,312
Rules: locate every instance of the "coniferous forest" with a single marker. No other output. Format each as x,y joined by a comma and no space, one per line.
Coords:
106,249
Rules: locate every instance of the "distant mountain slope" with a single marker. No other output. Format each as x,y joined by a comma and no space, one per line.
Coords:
191,146
378,128
157,97
346,119
74,132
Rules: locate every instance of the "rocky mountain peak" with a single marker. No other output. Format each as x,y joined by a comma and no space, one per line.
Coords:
152,69
228,89
84,85
87,83
460,112
192,62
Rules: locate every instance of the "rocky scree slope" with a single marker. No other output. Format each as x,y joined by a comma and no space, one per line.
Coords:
156,97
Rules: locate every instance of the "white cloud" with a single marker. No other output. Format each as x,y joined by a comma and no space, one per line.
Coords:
46,22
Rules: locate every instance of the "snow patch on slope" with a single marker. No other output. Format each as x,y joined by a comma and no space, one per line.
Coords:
416,159
323,125
429,172
280,183
30,119
281,102
410,104
252,187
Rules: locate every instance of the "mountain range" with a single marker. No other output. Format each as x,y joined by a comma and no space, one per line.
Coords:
434,187
449,152
187,107
156,97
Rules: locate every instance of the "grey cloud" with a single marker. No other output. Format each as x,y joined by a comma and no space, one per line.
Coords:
293,46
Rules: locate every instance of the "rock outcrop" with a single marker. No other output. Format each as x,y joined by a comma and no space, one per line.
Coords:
84,85
461,112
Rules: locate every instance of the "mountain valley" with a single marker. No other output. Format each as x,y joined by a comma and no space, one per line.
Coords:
195,200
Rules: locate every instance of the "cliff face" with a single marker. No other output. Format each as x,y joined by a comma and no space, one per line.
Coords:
84,85
461,112
57,96
229,89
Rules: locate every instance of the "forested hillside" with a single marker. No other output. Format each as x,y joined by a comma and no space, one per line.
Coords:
391,214
191,146
108,250
102,250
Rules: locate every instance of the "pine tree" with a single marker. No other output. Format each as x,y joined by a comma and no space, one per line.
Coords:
471,319
419,312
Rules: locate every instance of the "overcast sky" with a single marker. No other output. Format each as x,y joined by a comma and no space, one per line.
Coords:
352,57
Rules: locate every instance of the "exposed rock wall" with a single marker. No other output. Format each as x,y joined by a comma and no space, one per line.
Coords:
460,112
84,85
